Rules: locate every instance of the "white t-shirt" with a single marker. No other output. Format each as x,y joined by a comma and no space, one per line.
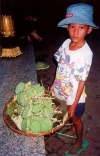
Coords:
73,66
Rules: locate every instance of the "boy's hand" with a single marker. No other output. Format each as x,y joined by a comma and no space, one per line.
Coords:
52,88
71,111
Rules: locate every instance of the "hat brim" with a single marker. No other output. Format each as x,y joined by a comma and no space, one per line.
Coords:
63,23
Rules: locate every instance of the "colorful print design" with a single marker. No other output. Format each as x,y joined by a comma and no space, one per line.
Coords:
71,69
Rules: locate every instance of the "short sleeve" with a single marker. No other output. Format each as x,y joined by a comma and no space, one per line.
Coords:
86,61
58,54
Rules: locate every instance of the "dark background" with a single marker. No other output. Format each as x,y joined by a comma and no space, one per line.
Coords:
49,12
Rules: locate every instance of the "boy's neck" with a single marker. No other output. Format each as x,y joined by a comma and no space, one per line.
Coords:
75,45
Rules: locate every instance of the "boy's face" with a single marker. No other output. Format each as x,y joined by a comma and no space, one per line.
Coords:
77,32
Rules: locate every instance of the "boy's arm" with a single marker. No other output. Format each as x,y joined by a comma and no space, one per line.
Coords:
78,95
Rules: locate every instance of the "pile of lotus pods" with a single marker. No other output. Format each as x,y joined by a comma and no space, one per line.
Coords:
31,109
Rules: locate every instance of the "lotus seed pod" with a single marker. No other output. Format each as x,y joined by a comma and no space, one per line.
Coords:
25,111
29,119
28,85
20,109
46,125
37,108
47,102
37,118
22,99
30,92
36,102
24,125
35,127
48,112
36,85
39,91
20,87
18,98
39,101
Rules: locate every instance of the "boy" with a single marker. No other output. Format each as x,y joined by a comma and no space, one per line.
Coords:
74,59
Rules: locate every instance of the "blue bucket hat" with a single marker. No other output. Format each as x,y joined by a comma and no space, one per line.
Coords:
79,13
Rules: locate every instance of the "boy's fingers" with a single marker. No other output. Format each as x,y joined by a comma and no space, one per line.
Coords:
51,90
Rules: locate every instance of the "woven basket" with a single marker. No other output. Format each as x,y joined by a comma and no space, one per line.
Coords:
56,127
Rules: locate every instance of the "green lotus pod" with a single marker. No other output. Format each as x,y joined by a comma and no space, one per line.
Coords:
36,85
37,118
18,98
47,102
30,110
30,92
24,125
39,91
37,108
20,110
22,99
29,120
35,127
20,87
28,85
25,111
48,112
38,101
46,125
